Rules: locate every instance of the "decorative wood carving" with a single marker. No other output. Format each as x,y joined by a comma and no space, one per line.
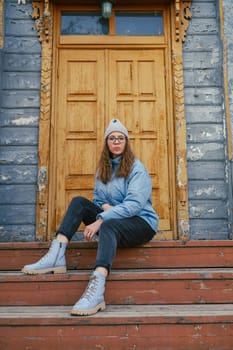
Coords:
181,157
183,15
43,19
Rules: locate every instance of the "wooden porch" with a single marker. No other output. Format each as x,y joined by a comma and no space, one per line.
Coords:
162,296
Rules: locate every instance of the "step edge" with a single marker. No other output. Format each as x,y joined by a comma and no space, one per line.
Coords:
151,244
121,275
164,316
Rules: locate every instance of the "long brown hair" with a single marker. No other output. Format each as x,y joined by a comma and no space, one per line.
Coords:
104,171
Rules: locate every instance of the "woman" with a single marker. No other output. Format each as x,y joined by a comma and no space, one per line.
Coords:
121,214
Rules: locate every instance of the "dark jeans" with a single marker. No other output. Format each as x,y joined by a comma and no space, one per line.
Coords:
113,233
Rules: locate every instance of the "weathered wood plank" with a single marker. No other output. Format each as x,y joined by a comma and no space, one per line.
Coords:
17,233
17,214
161,286
22,63
201,59
19,117
208,209
214,170
26,26
144,327
18,45
203,114
205,151
203,95
207,189
21,80
203,26
166,314
200,43
207,133
153,255
19,12
18,155
18,136
203,9
19,174
209,229
18,99
200,77
13,194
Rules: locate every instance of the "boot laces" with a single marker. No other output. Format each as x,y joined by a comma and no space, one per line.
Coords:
91,288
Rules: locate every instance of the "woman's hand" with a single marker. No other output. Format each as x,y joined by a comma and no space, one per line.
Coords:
90,230
106,206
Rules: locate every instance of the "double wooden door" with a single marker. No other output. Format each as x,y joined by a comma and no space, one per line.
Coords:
94,86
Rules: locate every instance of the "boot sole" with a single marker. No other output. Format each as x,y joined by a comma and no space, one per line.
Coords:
60,269
99,307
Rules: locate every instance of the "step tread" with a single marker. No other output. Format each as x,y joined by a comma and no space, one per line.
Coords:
158,254
147,286
131,274
118,314
153,243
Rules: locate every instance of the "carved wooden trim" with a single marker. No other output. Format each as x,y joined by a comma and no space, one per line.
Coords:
181,146
43,19
1,23
182,17
41,14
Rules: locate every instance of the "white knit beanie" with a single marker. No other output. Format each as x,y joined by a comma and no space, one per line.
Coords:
115,126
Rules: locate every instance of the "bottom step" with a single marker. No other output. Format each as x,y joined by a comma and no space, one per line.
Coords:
132,327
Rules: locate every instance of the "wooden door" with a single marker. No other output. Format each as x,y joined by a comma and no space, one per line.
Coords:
94,86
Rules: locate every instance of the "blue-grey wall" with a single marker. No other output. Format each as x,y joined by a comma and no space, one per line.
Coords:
207,153
208,169
19,111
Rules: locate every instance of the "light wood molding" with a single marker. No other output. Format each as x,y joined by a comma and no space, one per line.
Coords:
43,22
180,16
43,19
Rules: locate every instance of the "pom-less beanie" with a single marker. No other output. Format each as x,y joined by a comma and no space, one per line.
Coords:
115,126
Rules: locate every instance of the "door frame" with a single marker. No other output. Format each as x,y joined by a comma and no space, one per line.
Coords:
43,13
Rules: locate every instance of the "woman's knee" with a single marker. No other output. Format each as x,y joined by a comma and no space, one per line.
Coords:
108,226
78,200
109,230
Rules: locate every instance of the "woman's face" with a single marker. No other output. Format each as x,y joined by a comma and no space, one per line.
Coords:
116,142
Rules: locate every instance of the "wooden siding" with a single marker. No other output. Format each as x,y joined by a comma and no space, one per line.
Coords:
208,189
20,70
20,65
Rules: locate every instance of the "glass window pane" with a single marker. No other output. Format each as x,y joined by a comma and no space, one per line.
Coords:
83,23
139,23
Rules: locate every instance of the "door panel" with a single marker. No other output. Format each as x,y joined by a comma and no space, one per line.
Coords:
93,87
137,97
80,124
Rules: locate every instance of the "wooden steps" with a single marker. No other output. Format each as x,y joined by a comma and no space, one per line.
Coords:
162,296
174,254
164,286
149,327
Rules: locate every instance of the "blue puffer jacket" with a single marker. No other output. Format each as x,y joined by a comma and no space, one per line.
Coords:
128,197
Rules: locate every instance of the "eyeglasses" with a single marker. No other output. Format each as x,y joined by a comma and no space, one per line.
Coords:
114,139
